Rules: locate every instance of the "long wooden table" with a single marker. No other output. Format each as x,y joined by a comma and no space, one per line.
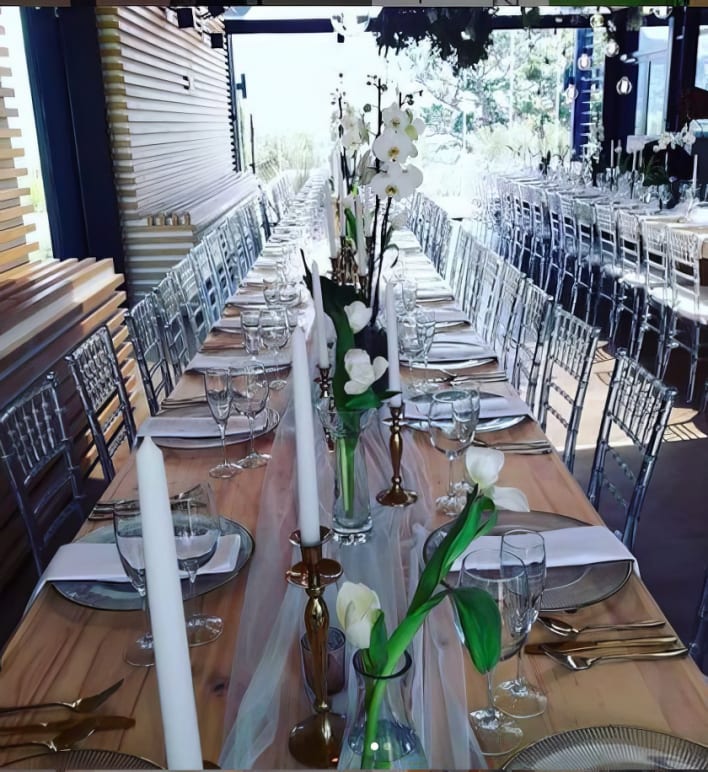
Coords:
62,650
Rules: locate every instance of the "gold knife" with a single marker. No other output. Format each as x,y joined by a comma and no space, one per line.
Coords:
97,723
567,647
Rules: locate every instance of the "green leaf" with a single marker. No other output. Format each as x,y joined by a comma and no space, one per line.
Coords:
364,401
463,531
402,636
377,644
481,624
351,224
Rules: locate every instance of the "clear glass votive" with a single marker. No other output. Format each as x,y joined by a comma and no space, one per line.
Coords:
335,661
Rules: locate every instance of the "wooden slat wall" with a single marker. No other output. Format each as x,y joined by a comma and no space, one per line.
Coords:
168,107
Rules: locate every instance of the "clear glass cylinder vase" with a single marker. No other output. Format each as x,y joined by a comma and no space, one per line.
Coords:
381,723
351,512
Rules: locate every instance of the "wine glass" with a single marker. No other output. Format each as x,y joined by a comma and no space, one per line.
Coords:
408,343
197,530
505,580
452,422
217,387
518,697
274,332
425,327
128,529
249,395
250,320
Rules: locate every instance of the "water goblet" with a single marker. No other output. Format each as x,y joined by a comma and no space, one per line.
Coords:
250,320
271,294
275,332
409,345
507,584
128,529
451,424
197,530
425,328
517,697
249,390
217,388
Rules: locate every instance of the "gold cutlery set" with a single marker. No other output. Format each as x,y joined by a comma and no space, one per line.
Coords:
582,654
68,733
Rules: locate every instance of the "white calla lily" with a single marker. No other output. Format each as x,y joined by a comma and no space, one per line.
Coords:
358,607
512,499
358,314
483,466
362,371
392,145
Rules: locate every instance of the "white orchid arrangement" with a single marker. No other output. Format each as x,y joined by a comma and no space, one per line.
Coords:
684,138
359,608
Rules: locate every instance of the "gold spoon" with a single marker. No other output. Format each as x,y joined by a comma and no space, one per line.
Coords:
562,628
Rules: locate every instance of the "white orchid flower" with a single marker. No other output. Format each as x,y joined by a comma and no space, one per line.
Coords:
358,314
397,181
361,370
358,607
392,145
395,117
483,468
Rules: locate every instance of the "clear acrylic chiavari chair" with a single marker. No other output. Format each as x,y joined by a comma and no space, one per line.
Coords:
217,256
608,285
35,447
168,307
566,375
100,384
658,294
206,274
192,299
150,352
637,409
506,320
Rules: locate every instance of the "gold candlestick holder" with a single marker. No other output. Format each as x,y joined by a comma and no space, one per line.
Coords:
316,741
396,495
325,384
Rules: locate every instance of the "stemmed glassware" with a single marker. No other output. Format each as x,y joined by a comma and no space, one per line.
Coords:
128,529
505,580
249,395
518,697
217,387
250,326
425,324
274,331
452,422
197,529
408,342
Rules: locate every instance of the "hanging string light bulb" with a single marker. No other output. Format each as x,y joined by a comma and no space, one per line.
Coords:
612,48
585,61
624,86
662,11
597,20
571,92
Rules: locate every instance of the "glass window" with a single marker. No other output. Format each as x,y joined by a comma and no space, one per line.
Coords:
702,58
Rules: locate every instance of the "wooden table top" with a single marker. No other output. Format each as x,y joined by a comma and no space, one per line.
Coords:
62,650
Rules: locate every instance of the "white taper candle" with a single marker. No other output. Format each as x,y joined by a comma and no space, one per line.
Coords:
307,493
174,673
361,256
394,373
320,322
331,228
694,179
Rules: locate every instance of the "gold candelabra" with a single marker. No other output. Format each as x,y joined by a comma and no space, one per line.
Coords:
396,495
316,741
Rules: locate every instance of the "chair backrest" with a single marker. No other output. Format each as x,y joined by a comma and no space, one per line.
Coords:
555,220
569,231
585,227
506,321
205,271
230,250
684,255
637,409
99,381
46,483
487,300
606,233
191,297
629,240
150,351
567,373
217,255
698,648
655,259
532,343
168,307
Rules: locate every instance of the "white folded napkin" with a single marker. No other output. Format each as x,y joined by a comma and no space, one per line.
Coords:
197,427
203,362
84,561
491,406
446,352
246,299
441,292
578,546
230,323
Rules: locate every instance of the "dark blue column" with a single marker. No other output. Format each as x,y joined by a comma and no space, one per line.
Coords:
64,65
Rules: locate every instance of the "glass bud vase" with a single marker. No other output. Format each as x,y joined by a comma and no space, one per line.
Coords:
392,741
351,513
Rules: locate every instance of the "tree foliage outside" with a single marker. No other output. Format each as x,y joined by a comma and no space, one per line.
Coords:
508,111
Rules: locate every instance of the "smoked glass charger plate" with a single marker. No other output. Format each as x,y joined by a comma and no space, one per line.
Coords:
82,759
120,596
567,587
611,747
234,438
484,426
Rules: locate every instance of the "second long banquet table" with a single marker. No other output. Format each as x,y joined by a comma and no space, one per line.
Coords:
62,650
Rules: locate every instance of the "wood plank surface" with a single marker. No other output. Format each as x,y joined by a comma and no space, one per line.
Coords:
86,644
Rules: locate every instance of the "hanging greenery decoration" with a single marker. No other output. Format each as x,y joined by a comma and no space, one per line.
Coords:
461,36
